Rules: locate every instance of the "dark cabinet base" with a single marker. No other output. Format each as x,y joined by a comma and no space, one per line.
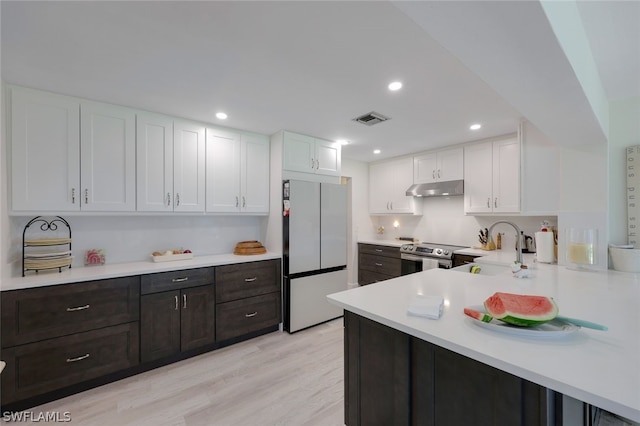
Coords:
392,378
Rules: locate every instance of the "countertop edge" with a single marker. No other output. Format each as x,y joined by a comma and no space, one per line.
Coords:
117,270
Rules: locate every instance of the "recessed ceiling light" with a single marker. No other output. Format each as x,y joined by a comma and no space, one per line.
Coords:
376,151
343,142
221,116
475,126
396,85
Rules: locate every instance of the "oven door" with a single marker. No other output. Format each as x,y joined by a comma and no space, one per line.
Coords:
410,264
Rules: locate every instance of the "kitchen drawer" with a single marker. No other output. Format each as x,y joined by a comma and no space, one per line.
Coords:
46,312
52,364
463,259
243,280
368,277
379,250
380,264
243,316
176,280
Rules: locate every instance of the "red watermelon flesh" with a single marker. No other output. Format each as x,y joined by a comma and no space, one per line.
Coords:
521,310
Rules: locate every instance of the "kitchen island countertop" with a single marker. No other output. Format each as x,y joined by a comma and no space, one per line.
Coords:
600,368
115,270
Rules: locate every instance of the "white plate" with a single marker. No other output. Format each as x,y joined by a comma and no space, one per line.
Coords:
553,328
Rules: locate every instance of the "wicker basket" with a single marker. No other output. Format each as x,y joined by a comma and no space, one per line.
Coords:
249,248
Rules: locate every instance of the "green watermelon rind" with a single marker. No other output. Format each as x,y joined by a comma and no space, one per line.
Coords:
522,320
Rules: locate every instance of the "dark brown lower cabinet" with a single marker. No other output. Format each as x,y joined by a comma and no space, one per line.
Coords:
175,321
392,378
55,363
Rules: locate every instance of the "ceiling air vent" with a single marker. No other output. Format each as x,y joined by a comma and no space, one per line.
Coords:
371,118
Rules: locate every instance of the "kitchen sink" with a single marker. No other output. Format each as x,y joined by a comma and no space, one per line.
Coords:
485,269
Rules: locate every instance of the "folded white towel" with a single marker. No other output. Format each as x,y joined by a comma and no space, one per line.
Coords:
426,306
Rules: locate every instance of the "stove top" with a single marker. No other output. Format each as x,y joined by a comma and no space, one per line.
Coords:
426,249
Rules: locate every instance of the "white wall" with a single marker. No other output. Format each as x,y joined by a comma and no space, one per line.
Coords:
134,238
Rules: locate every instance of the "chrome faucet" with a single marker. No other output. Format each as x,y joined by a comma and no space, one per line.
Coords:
518,241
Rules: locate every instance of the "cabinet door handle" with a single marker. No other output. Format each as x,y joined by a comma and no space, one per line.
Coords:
250,280
184,301
179,280
86,196
178,199
237,201
433,174
73,195
168,199
79,358
378,264
244,202
78,308
495,202
438,173
253,314
176,299
488,202
391,203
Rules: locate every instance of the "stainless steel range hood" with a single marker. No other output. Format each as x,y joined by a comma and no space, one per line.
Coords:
437,189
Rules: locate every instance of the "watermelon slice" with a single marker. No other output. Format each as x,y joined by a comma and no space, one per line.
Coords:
480,316
521,310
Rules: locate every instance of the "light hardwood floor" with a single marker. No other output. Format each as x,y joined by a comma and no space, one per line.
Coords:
276,379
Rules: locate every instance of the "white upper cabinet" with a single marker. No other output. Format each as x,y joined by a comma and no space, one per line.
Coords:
154,146
189,149
438,166
254,172
45,151
237,172
170,164
492,177
310,155
108,157
388,183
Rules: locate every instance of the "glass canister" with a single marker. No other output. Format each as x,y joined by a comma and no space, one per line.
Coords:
581,248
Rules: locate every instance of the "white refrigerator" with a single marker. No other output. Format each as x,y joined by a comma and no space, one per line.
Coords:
315,251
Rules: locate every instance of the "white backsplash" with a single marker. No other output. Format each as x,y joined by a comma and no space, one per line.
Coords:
443,221
131,239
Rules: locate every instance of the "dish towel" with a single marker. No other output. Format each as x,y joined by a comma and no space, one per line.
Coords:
426,306
429,264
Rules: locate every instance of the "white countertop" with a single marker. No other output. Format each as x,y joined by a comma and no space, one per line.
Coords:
89,273
497,257
381,242
600,368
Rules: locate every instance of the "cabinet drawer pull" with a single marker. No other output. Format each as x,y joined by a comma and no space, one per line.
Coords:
176,299
378,264
251,315
250,280
379,250
78,308
180,280
184,301
76,359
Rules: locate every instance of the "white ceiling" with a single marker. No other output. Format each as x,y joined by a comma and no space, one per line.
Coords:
312,67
